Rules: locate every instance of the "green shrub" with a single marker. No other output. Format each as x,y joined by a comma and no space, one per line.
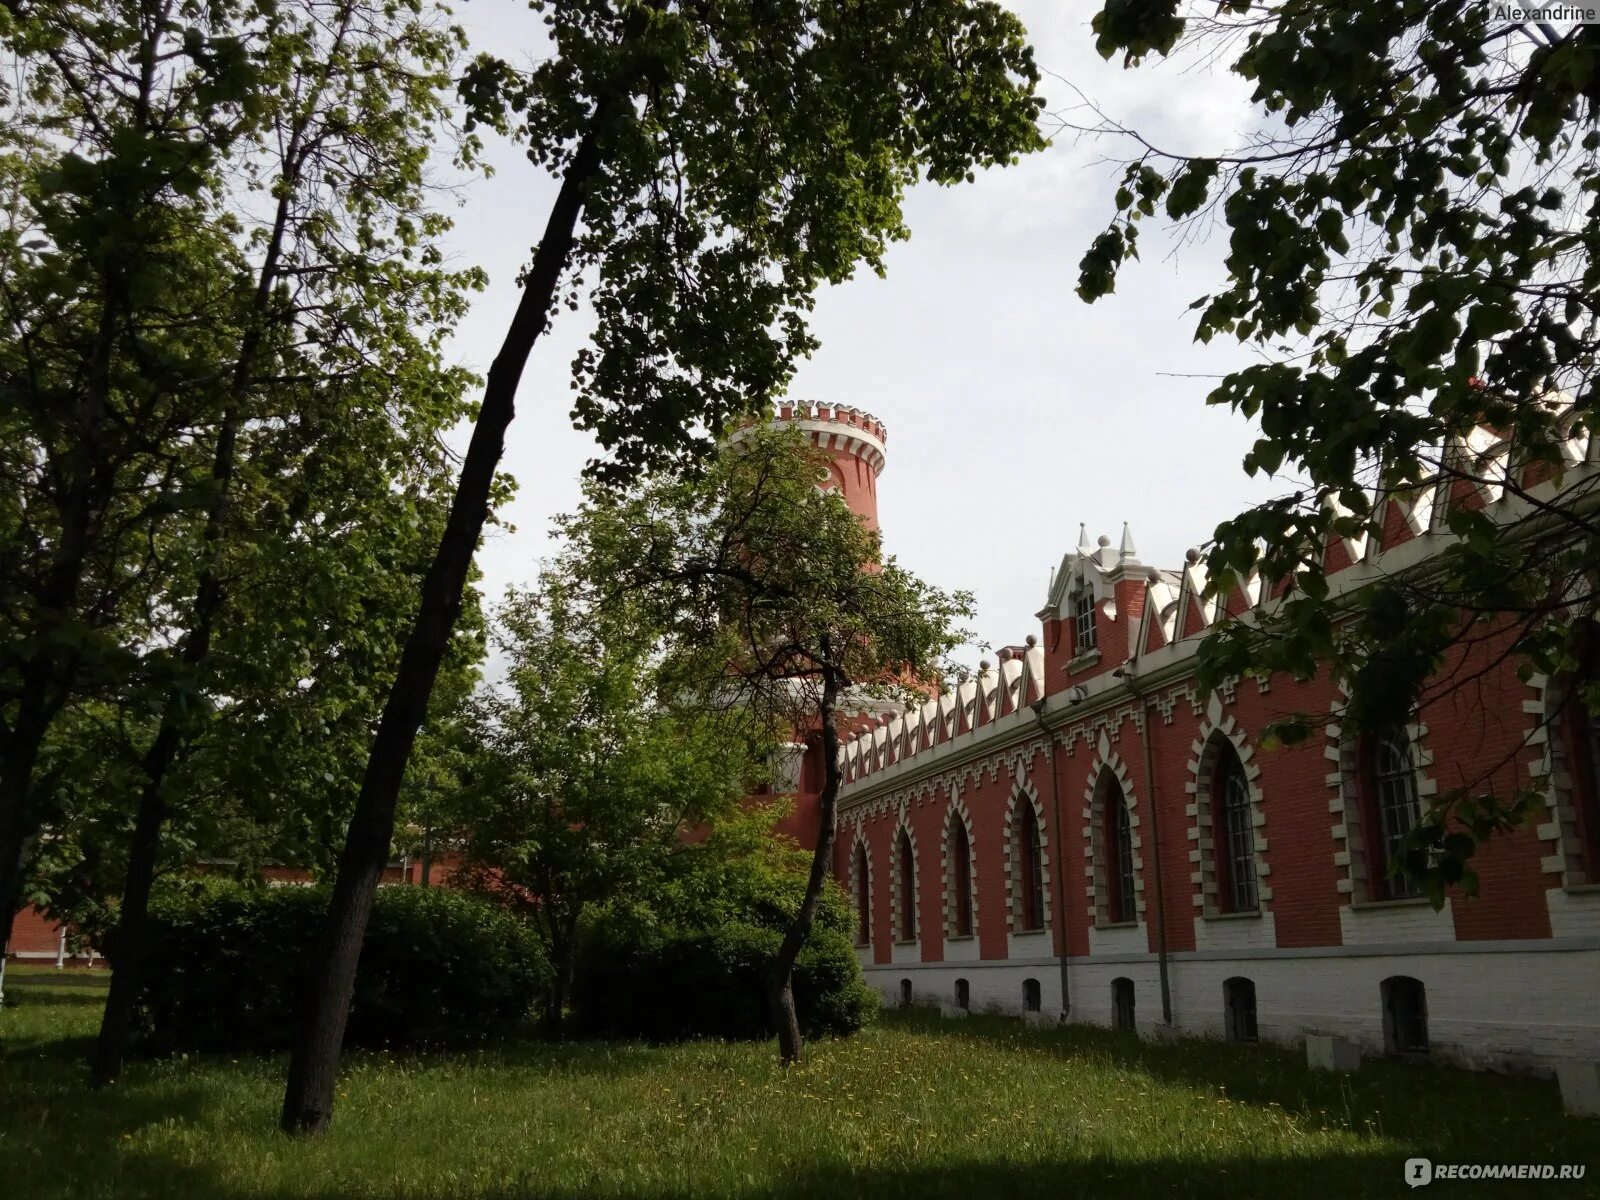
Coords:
668,987
228,966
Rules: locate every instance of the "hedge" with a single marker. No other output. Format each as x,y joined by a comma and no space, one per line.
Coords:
670,987
228,966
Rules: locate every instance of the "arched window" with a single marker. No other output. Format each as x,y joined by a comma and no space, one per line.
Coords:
1405,1015
1239,1008
1030,853
961,876
1122,1015
908,888
1232,832
863,898
1122,897
1031,998
963,994
905,993
1084,638
1390,796
1581,737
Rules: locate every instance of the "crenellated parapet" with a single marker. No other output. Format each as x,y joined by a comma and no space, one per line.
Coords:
958,711
1107,615
839,427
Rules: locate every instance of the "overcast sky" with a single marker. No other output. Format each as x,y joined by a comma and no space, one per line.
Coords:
1014,410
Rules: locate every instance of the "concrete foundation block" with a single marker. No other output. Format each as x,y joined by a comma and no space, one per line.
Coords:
1330,1052
1041,1020
951,1013
1580,1087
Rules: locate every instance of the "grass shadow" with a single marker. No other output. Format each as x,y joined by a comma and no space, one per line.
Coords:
1421,1104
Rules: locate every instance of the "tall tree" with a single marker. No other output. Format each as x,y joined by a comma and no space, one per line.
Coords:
343,318
596,767
725,160
780,591
122,290
1413,237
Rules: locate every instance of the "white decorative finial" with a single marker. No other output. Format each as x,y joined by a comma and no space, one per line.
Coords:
1103,541
1126,550
1083,539
1191,555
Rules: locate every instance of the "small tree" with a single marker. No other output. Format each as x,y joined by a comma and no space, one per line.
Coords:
592,769
781,590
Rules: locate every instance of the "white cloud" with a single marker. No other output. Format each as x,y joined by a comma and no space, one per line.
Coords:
1014,410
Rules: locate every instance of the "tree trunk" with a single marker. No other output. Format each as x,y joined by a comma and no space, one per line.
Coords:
105,1063
780,994
126,951
314,1063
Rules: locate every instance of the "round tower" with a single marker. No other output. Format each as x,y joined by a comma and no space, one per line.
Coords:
854,443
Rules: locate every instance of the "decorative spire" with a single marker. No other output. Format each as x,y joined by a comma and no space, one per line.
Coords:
1083,540
1126,552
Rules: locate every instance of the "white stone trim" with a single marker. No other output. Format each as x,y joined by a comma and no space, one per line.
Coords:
865,847
1106,760
1343,753
1562,857
1023,791
1214,729
958,812
903,826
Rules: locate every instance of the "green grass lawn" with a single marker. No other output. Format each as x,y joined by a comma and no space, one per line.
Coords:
913,1107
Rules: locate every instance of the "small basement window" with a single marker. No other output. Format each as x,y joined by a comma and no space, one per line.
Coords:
1031,999
1122,1015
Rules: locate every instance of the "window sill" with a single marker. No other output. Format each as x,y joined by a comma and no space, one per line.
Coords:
863,945
1116,924
1384,905
960,937
905,941
1582,889
1084,661
1249,915
1037,929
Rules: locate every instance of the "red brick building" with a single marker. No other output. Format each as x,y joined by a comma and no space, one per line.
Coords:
1075,832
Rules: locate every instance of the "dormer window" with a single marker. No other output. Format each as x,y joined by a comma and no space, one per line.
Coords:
1083,622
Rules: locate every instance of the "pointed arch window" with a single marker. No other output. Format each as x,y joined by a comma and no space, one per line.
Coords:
863,898
1030,857
1233,833
1122,900
907,866
1392,811
961,877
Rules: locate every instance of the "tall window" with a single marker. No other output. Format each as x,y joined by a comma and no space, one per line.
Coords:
1121,902
908,889
961,875
1083,615
1233,837
863,899
1392,812
1031,859
1582,734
